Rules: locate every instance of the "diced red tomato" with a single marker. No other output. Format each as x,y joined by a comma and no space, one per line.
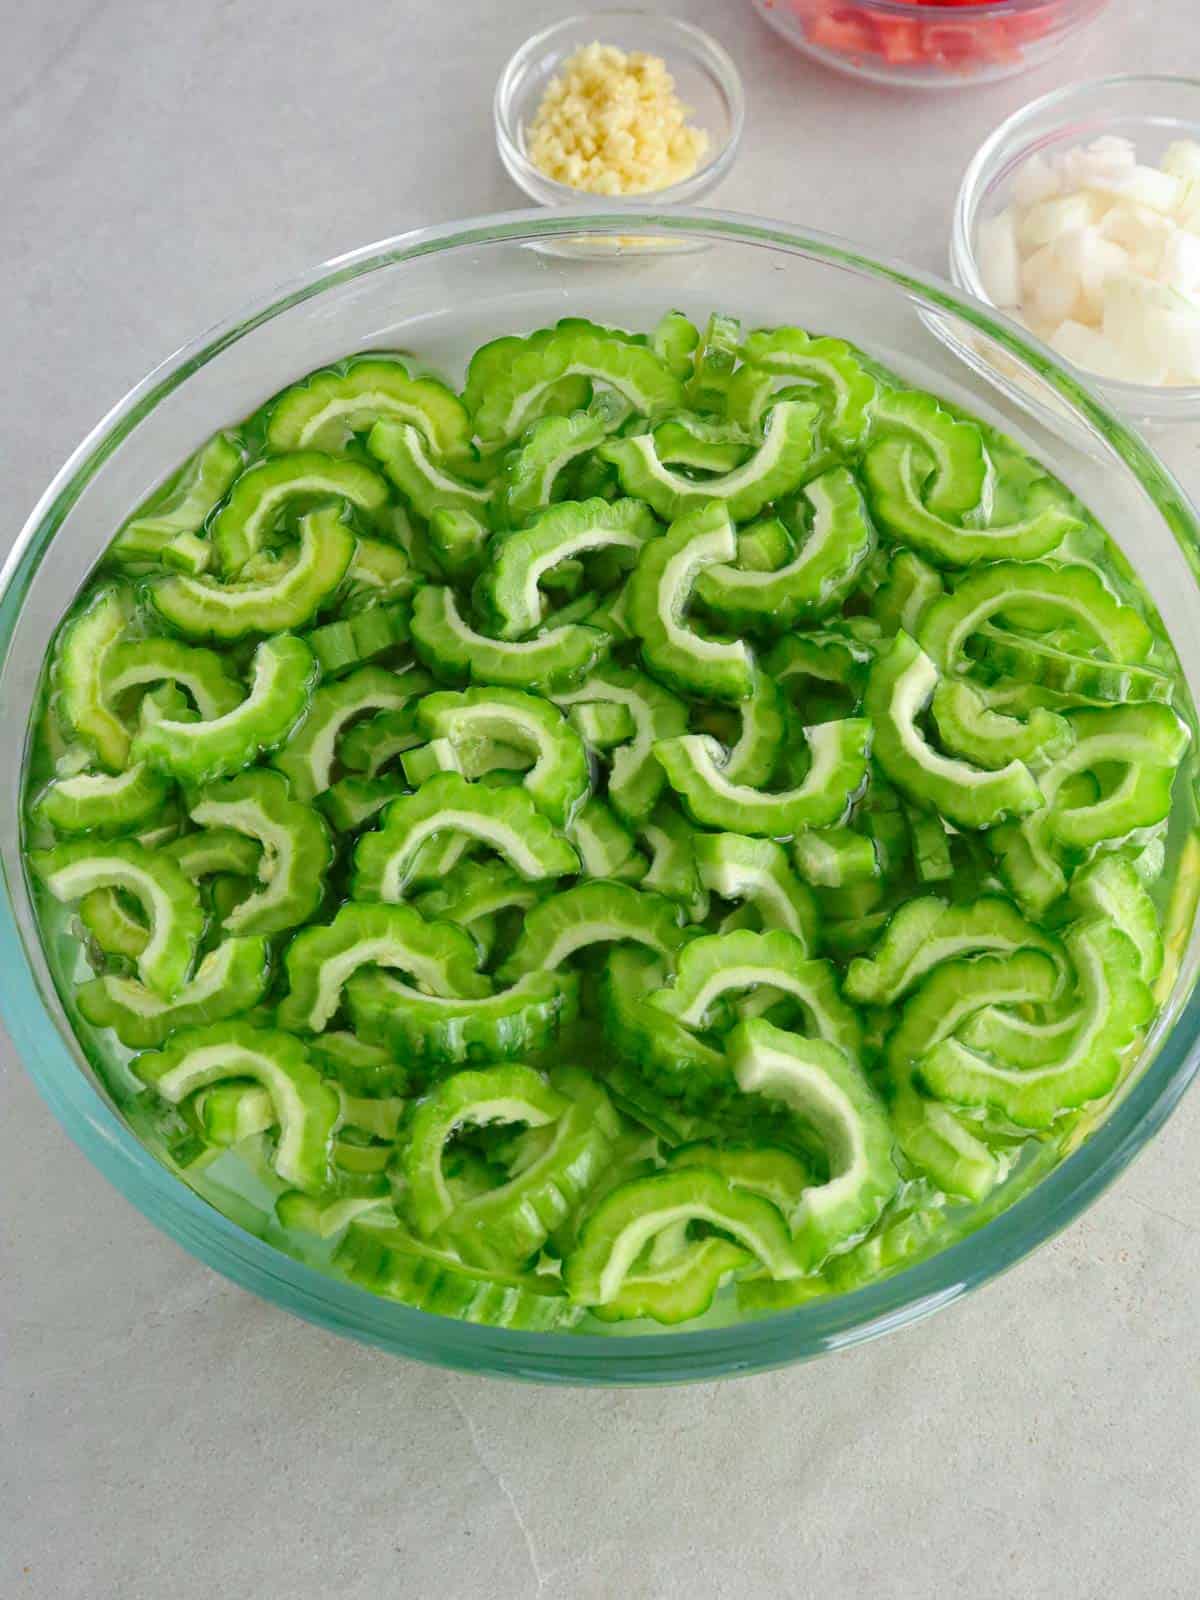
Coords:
851,35
900,42
862,30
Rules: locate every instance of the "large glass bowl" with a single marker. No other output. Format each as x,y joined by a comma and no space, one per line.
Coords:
439,293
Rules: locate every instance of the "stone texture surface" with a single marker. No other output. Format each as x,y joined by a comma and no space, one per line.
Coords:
163,1433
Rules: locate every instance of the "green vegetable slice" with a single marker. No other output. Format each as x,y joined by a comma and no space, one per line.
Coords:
659,594
1111,888
662,1052
1075,593
702,443
835,858
265,491
518,561
822,1084
507,378
711,967
602,725
306,1213
754,755
504,820
967,726
678,1282
559,778
80,674
390,1262
427,486
182,506
228,981
282,677
960,479
330,406
713,362
899,687
1054,670
934,1139
1144,744
350,803
636,779
287,595
588,914
779,465
476,890
308,758
435,1032
756,871
837,772
630,1217
137,663
113,925
1115,1005
101,802
606,847
169,901
546,448
905,596
360,639
320,961
295,849
845,388
375,742
820,577
504,1226
554,659
510,1093
897,476
924,933
776,1174
366,1071
305,1107
672,871
674,340
227,1113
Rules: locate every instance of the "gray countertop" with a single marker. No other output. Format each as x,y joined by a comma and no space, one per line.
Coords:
163,1433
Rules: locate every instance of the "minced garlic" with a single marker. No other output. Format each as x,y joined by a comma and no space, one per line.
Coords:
611,123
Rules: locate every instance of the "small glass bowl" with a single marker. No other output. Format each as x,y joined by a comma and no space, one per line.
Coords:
1152,112
925,46
706,80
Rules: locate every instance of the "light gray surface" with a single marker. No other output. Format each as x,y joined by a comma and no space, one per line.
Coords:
164,1434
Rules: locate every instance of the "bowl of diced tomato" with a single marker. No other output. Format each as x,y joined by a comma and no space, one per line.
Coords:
929,43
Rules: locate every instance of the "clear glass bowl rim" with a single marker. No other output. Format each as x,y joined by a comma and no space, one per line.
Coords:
1182,400
54,1062
702,45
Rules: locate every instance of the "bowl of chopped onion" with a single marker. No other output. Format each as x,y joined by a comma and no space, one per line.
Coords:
619,103
1080,218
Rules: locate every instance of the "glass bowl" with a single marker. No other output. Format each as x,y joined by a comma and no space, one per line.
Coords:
439,293
926,46
706,80
1152,112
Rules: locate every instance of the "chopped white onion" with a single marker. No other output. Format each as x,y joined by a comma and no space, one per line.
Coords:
1100,255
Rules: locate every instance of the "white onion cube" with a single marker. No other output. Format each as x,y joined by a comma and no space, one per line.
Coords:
999,259
1087,348
1036,181
1182,160
1052,218
1179,268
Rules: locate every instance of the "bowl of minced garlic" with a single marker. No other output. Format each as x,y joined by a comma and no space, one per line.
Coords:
657,115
